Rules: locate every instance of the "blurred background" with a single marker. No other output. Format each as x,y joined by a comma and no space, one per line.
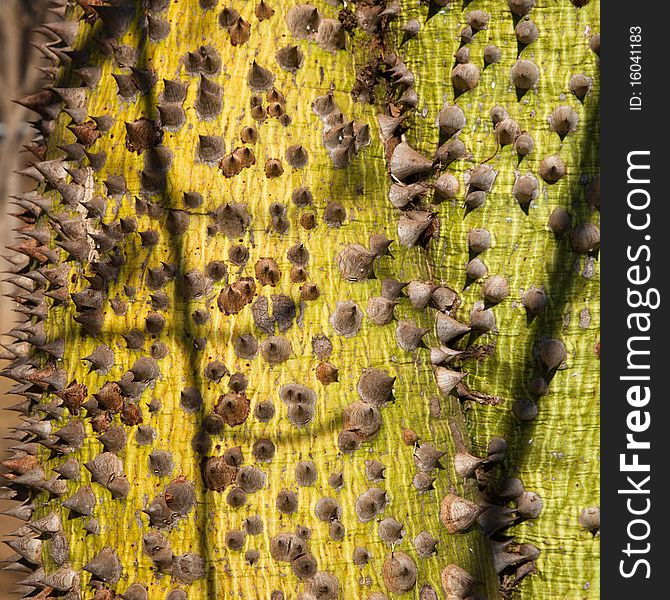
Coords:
20,58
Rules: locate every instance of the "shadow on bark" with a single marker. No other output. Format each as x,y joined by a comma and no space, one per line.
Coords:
182,329
562,288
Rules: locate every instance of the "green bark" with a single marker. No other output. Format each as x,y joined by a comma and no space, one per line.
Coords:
191,321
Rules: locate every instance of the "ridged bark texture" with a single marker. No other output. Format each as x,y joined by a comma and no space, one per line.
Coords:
227,392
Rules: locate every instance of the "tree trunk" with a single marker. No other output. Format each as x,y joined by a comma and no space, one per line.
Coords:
228,390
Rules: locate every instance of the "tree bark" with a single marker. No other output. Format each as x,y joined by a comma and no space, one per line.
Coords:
227,267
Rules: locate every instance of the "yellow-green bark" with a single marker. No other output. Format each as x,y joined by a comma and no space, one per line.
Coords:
557,454
554,455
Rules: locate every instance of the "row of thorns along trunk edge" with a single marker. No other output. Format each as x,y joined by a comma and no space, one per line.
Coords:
19,74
